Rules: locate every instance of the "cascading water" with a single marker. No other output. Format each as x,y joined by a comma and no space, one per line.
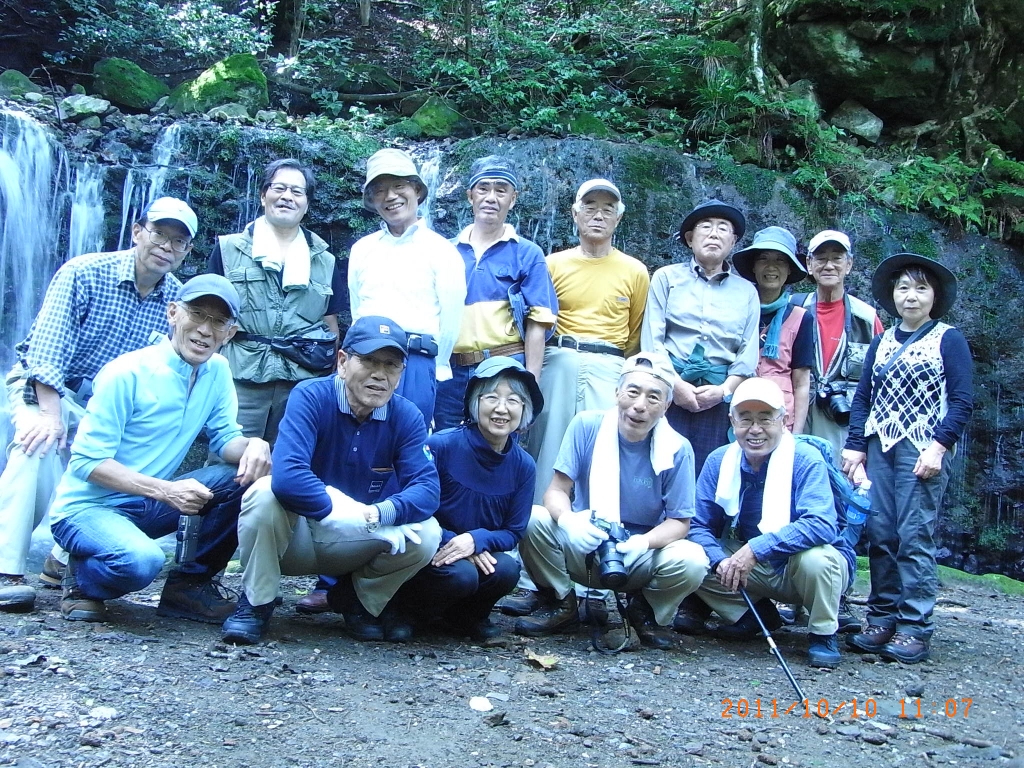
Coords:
143,184
430,172
86,229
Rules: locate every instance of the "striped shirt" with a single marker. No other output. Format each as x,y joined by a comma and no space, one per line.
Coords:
92,312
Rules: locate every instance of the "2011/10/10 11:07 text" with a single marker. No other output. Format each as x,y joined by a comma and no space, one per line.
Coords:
909,708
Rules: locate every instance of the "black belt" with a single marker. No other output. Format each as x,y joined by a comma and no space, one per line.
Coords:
571,342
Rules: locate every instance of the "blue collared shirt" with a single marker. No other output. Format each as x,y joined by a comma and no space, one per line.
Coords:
142,415
92,312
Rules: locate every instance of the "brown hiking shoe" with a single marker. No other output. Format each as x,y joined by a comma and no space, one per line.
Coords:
195,599
15,595
561,616
522,602
52,573
872,639
74,606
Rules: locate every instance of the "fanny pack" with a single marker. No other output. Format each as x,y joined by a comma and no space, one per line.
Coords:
317,354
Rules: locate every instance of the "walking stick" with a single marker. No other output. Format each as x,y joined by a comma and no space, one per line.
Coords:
772,646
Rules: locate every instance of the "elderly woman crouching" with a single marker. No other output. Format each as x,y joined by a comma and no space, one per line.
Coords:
906,415
487,484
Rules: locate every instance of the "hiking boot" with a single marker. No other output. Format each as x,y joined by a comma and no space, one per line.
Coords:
522,602
359,622
195,598
792,615
593,609
905,648
75,606
313,603
747,627
397,628
849,622
690,617
872,639
52,573
560,616
651,634
15,595
823,650
248,624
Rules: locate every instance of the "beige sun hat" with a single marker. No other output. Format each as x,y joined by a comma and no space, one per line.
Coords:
391,162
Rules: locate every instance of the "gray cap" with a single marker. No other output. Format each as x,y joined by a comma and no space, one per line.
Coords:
211,285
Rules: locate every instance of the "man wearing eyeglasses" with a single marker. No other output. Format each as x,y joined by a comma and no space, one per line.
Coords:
843,328
118,496
97,306
767,520
351,495
409,273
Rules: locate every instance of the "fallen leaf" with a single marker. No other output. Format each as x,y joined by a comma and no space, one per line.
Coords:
541,662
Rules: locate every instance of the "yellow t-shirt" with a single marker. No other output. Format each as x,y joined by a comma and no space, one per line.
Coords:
600,299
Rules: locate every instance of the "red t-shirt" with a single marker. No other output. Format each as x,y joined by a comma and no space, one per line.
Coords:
831,316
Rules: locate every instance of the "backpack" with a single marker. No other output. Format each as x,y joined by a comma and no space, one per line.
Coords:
842,489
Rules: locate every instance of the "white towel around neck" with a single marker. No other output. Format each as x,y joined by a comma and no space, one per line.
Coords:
293,263
603,482
778,485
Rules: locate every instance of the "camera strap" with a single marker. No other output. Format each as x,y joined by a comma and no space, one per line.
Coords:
597,632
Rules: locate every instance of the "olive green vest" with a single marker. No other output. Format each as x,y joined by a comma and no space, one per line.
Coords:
267,310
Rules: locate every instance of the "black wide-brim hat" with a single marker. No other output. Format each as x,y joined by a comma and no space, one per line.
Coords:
881,282
714,209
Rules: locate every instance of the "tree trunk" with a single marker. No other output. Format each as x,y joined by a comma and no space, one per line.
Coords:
756,12
364,13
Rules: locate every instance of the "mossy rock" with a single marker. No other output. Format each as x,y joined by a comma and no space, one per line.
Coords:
127,84
438,119
586,124
404,129
364,78
14,83
237,79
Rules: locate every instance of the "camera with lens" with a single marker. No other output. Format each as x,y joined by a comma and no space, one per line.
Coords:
833,400
611,568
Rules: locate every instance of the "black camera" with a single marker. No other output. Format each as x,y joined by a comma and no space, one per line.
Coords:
611,568
835,403
187,538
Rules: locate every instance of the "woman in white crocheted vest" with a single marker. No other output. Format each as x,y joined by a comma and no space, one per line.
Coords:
907,415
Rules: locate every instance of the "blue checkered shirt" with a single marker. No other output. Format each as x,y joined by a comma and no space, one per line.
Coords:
92,312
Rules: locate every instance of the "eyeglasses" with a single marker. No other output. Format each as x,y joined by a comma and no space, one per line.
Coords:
399,186
389,366
493,401
831,258
280,189
178,244
201,317
608,211
707,227
762,421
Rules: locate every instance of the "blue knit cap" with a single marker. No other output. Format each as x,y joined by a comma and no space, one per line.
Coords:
491,167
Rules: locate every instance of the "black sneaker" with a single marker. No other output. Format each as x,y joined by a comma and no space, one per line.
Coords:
15,595
651,634
202,599
747,628
248,624
359,622
823,650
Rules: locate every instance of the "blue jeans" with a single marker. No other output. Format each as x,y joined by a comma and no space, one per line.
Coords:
449,406
419,384
113,550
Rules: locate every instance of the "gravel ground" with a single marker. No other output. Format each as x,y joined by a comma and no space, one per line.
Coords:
144,691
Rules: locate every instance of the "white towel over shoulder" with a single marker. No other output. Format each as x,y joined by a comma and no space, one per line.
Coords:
778,486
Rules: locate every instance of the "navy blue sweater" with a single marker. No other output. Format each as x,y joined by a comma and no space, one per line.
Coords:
376,460
483,492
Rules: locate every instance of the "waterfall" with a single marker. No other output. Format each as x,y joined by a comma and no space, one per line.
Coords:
86,232
145,183
32,168
430,172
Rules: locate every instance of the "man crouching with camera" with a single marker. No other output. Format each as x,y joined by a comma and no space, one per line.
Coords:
631,480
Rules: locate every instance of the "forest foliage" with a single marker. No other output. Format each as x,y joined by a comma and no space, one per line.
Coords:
695,74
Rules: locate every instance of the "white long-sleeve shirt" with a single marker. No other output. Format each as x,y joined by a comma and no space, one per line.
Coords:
417,279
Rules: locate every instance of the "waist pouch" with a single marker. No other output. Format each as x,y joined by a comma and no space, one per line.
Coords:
316,355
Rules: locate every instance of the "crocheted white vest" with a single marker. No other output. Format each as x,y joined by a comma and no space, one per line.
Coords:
910,401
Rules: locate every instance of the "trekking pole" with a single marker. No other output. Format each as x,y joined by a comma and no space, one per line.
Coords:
772,646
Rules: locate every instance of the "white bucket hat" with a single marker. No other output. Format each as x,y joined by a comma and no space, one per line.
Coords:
391,162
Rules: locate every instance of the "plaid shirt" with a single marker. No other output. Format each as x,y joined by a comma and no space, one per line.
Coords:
92,312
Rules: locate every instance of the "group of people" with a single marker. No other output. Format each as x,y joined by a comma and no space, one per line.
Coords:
491,418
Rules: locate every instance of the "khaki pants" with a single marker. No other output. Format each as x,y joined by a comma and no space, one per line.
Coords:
274,541
815,578
28,482
665,576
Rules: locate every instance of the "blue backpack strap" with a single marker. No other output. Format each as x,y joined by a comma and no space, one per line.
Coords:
842,489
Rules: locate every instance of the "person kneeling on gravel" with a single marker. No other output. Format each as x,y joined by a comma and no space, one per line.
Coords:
767,520
629,467
352,484
147,408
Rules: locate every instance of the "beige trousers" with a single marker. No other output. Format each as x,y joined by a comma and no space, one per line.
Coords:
665,576
814,578
274,541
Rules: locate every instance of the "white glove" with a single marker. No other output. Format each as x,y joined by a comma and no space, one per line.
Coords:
582,536
395,535
347,518
632,549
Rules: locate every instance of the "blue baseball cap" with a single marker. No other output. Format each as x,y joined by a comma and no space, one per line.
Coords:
211,285
368,334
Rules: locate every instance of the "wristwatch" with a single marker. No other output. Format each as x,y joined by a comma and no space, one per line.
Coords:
727,398
371,527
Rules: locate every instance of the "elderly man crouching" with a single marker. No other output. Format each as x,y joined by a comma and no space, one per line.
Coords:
767,520
628,466
352,481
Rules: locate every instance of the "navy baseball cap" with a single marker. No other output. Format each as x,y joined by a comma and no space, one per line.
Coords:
211,285
373,332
